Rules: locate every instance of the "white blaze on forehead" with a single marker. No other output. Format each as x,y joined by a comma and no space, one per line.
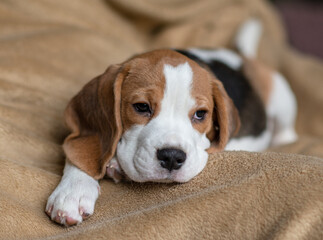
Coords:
177,100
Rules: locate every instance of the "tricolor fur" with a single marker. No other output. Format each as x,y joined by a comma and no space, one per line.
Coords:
156,117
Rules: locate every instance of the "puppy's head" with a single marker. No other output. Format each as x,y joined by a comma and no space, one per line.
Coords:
158,114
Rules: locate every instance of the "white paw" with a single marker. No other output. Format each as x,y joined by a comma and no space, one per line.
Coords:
74,198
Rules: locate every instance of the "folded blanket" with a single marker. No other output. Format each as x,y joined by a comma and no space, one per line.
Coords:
50,49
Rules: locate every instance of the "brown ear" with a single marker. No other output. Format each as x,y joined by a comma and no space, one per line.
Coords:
226,121
93,117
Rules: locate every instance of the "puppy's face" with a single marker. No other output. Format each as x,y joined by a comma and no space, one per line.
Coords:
164,118
166,112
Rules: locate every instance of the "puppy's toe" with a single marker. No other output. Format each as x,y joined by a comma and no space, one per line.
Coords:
86,208
70,221
65,210
62,217
49,210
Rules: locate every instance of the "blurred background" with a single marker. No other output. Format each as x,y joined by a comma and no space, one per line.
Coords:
303,20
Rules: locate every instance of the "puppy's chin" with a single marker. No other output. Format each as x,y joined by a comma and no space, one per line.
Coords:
132,171
169,178
115,172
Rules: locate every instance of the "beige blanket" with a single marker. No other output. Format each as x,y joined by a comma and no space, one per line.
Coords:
50,49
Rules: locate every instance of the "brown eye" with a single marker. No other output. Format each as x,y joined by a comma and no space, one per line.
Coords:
199,115
142,108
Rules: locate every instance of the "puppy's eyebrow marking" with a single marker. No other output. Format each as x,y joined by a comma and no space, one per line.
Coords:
177,96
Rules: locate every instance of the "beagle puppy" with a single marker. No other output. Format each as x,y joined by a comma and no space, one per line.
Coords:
157,116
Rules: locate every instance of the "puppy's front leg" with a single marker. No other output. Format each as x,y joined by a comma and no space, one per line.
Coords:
74,198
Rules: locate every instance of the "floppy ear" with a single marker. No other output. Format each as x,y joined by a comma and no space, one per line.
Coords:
93,117
226,121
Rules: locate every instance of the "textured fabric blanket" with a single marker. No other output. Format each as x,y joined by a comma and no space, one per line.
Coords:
50,49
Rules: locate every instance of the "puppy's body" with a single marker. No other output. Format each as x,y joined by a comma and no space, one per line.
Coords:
227,67
157,115
265,102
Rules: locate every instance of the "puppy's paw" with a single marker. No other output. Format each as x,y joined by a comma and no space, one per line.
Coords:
114,171
74,198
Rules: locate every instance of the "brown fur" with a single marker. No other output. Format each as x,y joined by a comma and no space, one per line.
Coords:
103,110
202,93
96,127
142,85
226,118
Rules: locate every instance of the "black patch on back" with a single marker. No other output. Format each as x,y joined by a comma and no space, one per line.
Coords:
251,108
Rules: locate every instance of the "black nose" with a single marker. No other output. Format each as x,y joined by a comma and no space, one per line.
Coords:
171,158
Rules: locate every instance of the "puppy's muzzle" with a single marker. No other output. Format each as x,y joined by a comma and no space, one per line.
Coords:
171,158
